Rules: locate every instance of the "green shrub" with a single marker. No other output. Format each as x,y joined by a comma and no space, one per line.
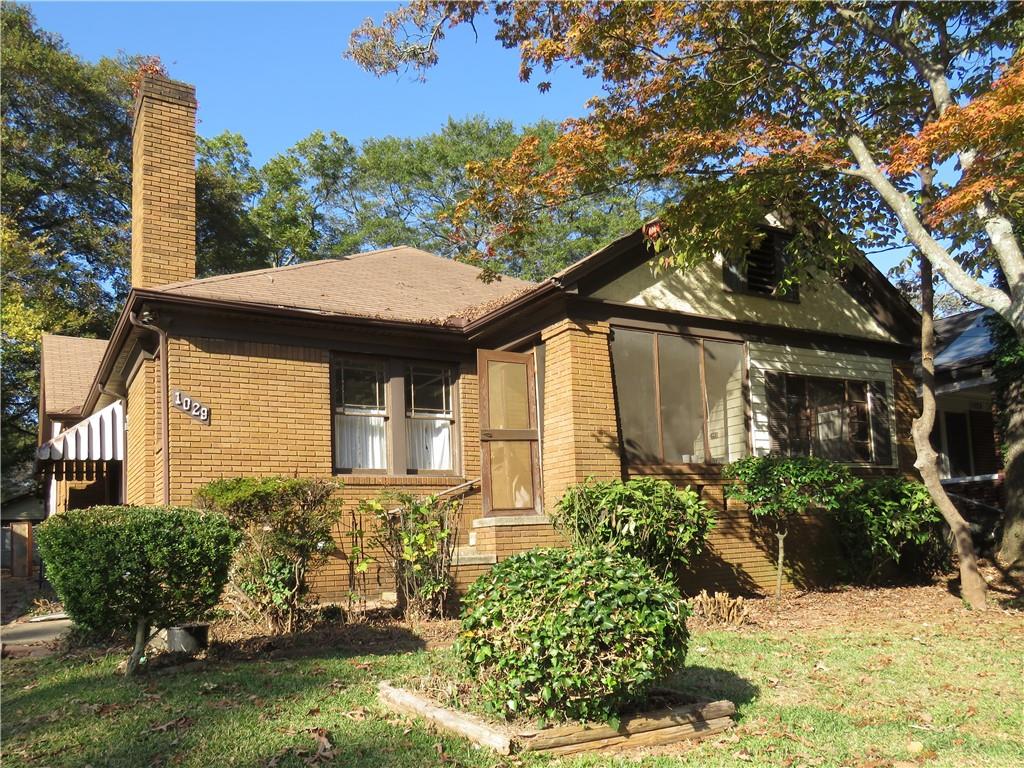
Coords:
892,521
286,525
120,569
417,539
563,633
777,488
650,519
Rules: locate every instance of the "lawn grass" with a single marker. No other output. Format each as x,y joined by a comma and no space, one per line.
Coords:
841,696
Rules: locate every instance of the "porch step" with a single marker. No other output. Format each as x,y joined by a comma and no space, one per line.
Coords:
516,520
468,555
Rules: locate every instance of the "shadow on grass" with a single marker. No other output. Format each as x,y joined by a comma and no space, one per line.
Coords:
713,683
256,710
352,639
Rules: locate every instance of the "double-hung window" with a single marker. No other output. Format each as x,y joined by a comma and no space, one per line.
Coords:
429,418
838,419
360,415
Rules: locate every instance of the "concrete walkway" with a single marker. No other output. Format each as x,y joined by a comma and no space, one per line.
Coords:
32,638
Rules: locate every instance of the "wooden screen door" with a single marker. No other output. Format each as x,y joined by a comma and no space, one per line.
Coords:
508,433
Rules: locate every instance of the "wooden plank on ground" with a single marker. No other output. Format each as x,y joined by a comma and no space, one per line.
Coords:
658,737
691,715
473,728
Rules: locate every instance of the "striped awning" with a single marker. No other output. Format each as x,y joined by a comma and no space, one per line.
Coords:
97,438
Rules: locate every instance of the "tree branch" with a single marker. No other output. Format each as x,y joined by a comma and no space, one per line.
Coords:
905,210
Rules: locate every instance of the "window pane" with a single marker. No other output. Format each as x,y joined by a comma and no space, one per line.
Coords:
360,442
427,391
857,429
511,474
799,416
880,433
508,395
957,445
825,398
360,386
727,420
633,363
682,408
429,443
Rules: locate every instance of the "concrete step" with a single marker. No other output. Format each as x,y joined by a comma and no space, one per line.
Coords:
468,555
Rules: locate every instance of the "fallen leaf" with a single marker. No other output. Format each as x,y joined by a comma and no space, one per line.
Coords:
915,747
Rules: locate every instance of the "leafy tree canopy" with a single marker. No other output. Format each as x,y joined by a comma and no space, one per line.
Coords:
835,117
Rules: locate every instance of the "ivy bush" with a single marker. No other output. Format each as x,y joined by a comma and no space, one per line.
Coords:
892,521
778,488
650,519
286,525
132,569
417,539
571,633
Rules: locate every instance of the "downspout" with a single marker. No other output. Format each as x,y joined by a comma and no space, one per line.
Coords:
165,431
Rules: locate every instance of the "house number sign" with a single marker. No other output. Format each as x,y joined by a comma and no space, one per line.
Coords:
191,406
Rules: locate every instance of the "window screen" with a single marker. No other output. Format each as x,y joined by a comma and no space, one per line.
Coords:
680,400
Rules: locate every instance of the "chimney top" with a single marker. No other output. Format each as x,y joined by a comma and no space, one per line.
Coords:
163,88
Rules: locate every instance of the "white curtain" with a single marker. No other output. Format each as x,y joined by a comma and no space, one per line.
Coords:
360,442
429,442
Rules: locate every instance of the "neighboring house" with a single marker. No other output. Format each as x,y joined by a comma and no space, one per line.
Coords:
397,369
966,434
21,509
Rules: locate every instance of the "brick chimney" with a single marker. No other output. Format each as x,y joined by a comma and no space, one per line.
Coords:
163,183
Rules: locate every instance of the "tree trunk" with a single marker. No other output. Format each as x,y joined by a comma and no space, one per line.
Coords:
1011,548
139,651
972,585
781,536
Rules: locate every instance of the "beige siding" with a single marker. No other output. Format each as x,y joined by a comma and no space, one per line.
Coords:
824,305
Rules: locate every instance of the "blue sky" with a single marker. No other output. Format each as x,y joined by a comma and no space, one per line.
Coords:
274,71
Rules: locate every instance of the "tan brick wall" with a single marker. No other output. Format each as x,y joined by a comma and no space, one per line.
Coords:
271,415
163,184
141,444
581,435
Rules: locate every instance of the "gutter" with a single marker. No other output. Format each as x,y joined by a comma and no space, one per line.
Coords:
165,427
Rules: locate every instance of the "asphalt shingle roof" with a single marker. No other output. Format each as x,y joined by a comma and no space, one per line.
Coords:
401,284
69,366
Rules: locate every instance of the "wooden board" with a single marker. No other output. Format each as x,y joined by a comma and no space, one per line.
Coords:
473,728
654,738
662,726
693,716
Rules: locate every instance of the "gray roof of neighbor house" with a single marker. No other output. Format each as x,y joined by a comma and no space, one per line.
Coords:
399,284
69,364
962,339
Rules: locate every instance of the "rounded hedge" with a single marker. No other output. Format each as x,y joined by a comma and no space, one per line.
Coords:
577,634
652,519
116,566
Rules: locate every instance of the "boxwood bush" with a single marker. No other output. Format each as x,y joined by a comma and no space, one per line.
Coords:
124,569
571,633
892,521
650,519
286,525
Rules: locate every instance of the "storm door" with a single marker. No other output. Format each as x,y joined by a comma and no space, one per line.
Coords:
508,433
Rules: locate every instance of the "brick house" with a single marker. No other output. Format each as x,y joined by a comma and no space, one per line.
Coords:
399,369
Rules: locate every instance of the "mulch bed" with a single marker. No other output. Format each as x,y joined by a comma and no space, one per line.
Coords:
852,606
